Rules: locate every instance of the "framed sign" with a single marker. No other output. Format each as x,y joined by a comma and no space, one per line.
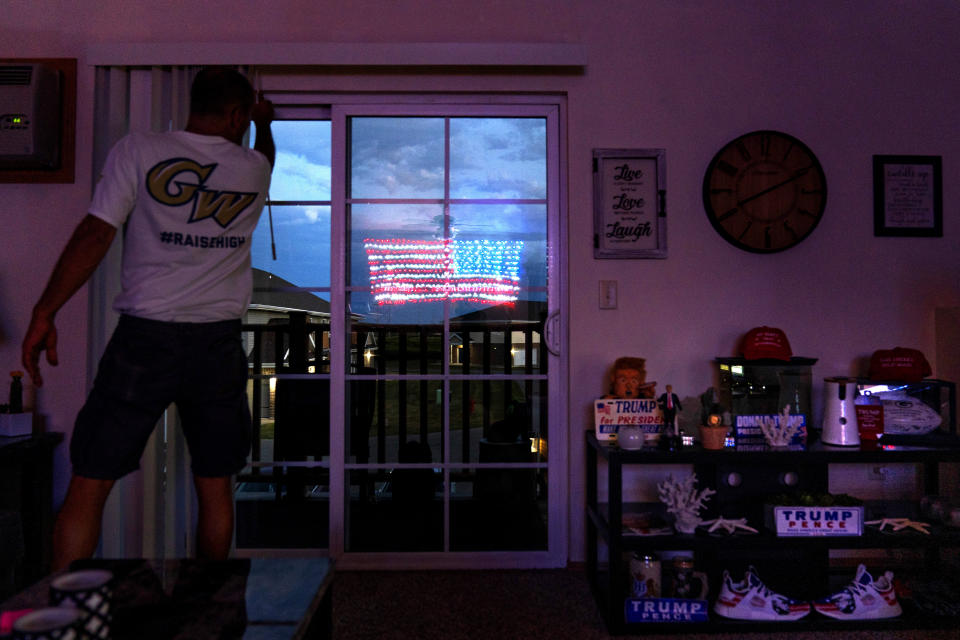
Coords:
907,196
629,203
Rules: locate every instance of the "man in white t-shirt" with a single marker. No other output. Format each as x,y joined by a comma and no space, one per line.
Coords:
188,202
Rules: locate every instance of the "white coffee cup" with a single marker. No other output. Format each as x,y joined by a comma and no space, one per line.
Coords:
89,591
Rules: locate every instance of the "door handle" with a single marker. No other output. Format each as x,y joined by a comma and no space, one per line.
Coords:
551,333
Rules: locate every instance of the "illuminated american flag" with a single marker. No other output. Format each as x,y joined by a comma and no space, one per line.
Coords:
403,271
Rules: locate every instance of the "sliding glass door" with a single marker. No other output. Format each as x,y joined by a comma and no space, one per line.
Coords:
404,341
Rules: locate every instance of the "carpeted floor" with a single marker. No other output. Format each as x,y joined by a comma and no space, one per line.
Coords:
503,605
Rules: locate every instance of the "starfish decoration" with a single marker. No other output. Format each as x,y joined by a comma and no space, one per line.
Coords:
730,526
899,524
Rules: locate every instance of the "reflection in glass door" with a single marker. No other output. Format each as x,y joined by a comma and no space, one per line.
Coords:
447,236
283,496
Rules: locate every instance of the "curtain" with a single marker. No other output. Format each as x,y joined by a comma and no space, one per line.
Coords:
149,514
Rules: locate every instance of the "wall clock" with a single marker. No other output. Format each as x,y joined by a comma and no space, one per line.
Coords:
764,191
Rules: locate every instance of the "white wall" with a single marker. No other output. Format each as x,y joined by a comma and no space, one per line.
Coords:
850,80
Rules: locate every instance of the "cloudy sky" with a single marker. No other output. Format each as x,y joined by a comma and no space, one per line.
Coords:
403,159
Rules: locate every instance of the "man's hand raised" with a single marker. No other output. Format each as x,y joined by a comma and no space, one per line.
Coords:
262,113
262,116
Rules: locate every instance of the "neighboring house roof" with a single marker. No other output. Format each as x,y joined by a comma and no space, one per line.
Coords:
273,293
520,312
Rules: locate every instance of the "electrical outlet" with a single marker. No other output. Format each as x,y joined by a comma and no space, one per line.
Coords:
608,294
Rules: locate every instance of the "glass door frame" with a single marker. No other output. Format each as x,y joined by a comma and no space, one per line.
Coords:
552,108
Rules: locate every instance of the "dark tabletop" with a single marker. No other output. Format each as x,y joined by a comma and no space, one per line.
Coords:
253,599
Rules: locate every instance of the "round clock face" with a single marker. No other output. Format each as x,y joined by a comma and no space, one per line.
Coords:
764,191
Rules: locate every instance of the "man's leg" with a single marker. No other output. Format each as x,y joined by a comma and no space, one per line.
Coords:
77,529
215,520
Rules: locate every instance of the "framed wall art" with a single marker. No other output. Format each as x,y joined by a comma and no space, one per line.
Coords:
907,196
629,203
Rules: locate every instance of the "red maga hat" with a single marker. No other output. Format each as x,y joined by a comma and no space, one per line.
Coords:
899,365
766,343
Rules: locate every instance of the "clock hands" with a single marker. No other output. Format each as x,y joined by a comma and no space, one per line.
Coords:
764,191
796,175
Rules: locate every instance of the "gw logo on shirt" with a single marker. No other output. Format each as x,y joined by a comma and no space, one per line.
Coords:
165,187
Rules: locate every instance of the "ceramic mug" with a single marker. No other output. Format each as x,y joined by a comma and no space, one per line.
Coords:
688,583
54,623
89,591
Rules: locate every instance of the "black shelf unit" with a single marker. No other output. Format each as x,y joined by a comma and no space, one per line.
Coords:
26,491
761,473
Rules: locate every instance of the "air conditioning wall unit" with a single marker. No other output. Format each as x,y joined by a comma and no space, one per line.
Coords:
30,105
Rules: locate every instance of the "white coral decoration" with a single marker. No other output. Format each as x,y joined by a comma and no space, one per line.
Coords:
684,501
779,433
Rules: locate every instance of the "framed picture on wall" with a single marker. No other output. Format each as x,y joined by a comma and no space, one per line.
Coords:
629,203
907,196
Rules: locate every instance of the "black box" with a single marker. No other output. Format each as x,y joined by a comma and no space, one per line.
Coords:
754,390
911,409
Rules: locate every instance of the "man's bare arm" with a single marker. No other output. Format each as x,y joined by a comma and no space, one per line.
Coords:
262,116
89,243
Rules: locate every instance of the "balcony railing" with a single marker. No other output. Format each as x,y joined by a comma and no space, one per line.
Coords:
497,381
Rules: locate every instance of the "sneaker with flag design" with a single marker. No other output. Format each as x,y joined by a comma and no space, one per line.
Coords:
863,599
750,599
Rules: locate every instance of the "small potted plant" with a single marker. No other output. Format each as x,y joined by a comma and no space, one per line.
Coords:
713,434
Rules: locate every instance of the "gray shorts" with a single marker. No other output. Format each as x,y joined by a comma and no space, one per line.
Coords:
147,365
